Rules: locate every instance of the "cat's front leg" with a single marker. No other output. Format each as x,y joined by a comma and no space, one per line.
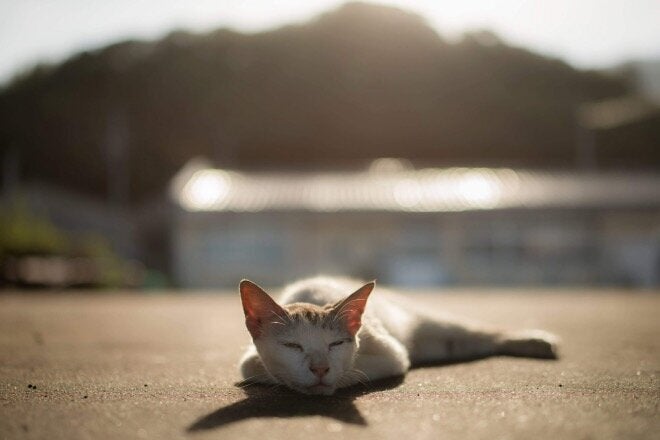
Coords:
378,357
253,370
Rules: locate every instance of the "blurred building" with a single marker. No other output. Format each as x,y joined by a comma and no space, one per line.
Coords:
415,227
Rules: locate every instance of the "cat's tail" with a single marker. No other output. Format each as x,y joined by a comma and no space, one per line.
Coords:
529,343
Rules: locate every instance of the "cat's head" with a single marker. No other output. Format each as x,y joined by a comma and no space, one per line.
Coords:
306,347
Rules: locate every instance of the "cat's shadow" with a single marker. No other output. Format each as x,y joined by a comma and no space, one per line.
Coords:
280,402
264,401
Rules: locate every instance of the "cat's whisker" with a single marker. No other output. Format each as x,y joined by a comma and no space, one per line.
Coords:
258,376
353,374
341,314
274,386
282,320
347,303
251,380
345,310
354,300
246,384
247,379
360,373
343,379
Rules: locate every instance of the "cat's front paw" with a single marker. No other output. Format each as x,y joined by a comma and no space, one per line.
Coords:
530,343
253,371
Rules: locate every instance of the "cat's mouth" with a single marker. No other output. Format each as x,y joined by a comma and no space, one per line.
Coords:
318,388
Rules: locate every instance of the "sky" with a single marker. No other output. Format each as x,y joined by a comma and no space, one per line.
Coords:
586,33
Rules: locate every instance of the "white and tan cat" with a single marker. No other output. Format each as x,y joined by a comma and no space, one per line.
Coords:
323,336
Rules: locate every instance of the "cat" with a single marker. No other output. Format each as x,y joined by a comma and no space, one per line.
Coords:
323,337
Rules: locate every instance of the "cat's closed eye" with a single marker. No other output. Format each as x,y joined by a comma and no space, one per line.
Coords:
292,345
337,343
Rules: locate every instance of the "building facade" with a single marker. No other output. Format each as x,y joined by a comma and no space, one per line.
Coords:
417,227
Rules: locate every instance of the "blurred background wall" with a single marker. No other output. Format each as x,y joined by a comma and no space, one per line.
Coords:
359,142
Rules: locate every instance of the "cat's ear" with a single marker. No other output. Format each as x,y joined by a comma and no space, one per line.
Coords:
259,308
350,310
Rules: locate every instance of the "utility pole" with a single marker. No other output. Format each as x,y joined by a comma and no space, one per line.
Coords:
10,172
116,144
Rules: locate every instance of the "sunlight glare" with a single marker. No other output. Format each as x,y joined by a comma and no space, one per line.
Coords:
408,193
206,189
480,188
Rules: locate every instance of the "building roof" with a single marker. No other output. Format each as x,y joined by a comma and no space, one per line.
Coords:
390,185
615,112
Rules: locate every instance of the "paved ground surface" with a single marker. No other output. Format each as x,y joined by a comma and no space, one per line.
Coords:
164,366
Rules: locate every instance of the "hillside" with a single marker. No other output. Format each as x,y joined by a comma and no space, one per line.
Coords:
356,83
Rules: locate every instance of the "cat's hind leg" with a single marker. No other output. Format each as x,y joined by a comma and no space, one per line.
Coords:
529,343
435,340
439,341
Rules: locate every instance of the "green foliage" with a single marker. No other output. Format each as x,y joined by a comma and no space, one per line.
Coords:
22,233
111,267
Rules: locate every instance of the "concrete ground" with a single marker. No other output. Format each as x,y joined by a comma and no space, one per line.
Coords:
164,366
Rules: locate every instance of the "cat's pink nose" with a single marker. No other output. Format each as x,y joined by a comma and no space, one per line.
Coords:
319,371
